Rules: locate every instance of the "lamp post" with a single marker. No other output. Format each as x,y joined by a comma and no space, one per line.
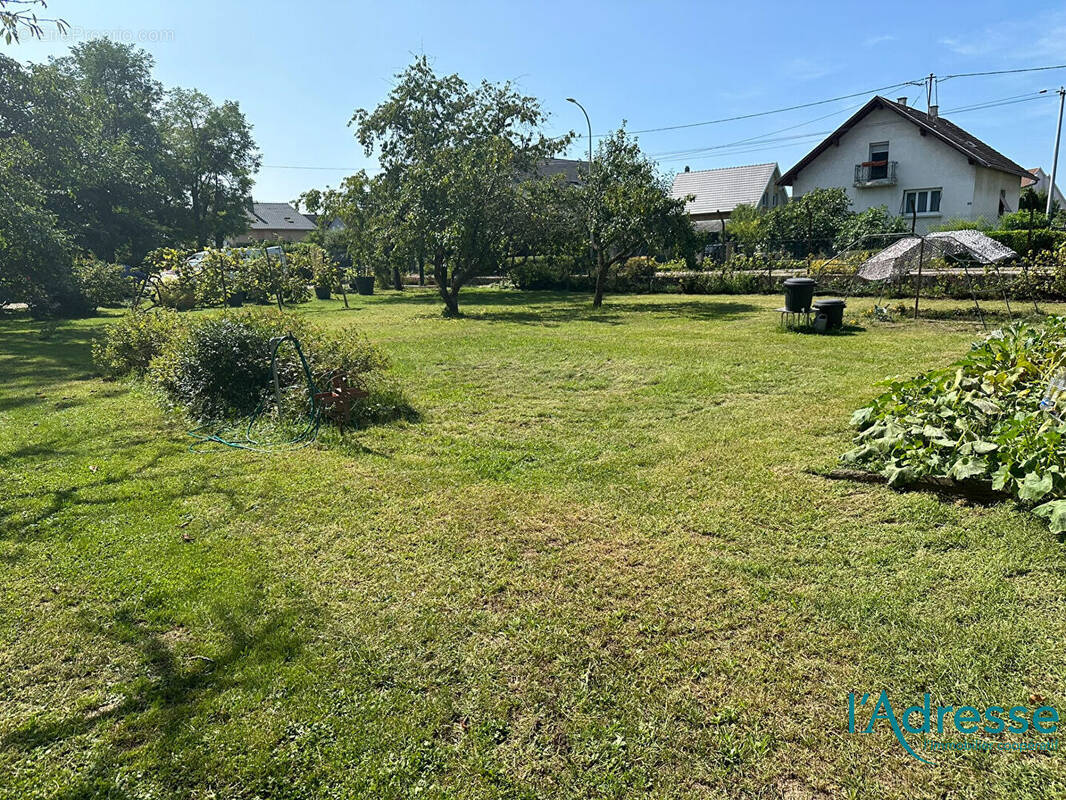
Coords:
583,111
592,239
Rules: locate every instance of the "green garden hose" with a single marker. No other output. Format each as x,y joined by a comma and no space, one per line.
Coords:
303,438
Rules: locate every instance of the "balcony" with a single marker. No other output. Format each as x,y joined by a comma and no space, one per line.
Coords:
875,173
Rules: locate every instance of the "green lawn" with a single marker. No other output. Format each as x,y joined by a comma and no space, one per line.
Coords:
599,565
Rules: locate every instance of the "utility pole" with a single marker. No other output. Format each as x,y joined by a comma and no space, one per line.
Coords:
929,92
1055,158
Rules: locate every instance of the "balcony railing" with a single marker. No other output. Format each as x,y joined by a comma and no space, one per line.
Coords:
875,173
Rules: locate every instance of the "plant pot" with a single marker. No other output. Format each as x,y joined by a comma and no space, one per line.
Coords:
235,300
364,284
322,292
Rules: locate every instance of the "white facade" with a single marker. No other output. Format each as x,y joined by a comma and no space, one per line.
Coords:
924,164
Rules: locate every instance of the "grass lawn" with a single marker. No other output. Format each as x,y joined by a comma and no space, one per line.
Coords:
598,566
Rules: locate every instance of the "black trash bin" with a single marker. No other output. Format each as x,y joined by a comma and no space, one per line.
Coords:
833,310
798,294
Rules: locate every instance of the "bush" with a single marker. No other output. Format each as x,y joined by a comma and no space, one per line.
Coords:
220,366
1029,241
102,284
1023,220
635,275
541,273
130,345
266,278
220,369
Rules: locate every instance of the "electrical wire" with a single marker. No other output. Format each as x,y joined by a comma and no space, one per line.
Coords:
999,72
761,113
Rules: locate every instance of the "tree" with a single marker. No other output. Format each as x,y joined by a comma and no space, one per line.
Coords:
747,227
810,223
453,158
20,16
867,229
212,160
35,263
631,209
116,199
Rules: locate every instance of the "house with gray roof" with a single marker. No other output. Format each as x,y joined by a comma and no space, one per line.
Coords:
915,163
714,193
268,222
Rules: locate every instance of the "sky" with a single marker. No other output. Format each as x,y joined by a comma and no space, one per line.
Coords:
300,70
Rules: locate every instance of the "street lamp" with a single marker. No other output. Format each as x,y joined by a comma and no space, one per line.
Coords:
583,111
592,235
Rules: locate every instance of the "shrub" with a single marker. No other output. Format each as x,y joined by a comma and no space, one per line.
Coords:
267,278
220,366
130,344
635,275
1028,241
102,284
542,273
1023,220
220,369
979,224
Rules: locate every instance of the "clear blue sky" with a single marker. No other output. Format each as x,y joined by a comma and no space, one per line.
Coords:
299,70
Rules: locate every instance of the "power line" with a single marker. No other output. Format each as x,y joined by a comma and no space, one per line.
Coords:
791,141
766,113
999,72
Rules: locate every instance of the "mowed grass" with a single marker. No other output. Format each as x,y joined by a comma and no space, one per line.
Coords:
601,564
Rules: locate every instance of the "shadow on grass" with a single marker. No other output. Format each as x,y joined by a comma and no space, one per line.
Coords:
156,719
28,360
846,330
553,308
24,516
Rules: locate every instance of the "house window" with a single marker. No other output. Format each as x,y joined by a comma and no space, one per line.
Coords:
878,161
921,201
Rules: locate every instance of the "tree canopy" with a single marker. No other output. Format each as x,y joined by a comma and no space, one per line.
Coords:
113,164
454,158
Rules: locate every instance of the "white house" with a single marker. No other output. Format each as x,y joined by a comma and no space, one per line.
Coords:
716,192
914,163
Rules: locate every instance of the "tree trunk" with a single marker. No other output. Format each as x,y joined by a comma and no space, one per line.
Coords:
601,279
450,298
397,279
421,270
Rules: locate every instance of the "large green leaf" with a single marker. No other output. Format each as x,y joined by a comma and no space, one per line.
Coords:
1055,513
968,467
1034,486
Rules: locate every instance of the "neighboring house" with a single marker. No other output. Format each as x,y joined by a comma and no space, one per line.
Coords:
336,224
270,221
718,191
1039,182
567,167
889,154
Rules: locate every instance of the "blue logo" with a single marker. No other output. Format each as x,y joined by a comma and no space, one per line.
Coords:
964,719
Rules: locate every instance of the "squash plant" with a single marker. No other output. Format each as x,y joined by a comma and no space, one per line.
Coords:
979,419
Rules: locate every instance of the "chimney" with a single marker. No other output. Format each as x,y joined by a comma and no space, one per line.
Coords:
901,100
933,111
686,168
